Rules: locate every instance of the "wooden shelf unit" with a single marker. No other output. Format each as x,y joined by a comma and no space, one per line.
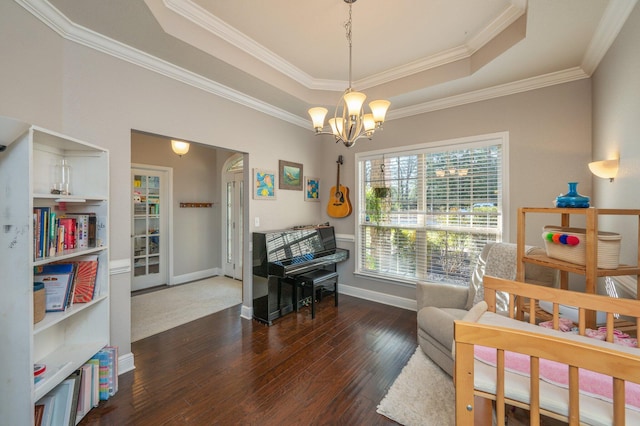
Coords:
589,270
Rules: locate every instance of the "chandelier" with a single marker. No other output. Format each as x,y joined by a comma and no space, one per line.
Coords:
349,122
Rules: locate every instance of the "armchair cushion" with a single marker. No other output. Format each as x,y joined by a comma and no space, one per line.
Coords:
442,296
440,304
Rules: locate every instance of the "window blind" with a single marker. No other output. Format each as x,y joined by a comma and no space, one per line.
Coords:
427,213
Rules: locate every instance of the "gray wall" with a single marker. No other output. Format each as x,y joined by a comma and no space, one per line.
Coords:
196,231
616,131
85,94
549,145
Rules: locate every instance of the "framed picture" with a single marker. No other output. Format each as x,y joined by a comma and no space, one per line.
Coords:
311,189
264,185
290,175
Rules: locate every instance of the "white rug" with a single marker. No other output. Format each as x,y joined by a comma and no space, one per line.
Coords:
158,311
422,395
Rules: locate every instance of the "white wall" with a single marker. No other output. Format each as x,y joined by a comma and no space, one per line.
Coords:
616,131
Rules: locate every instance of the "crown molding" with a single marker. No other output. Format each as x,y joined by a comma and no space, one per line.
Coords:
67,29
199,16
58,22
507,89
613,19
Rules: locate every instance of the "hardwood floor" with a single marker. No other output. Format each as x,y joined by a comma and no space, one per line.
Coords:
223,370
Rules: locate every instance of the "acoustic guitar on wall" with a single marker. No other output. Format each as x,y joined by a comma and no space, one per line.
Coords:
339,204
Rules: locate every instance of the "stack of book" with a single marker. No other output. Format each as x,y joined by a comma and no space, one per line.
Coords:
54,233
72,399
67,283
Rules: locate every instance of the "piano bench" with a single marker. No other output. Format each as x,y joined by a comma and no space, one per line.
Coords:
318,280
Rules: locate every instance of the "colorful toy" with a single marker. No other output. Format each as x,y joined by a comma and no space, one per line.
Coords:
556,238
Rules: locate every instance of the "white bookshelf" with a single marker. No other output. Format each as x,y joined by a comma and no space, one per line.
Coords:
63,341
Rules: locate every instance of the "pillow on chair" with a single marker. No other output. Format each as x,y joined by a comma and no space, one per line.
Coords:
476,312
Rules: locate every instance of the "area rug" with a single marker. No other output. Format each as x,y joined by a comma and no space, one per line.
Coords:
158,311
422,395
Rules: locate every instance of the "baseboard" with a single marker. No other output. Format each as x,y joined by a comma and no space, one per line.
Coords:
195,276
125,363
374,296
246,312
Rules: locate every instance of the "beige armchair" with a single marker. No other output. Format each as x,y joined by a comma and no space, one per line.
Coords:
439,304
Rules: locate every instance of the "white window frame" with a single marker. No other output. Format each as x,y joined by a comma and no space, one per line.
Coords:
501,138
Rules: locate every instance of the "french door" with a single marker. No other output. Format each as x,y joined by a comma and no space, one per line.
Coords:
234,188
150,235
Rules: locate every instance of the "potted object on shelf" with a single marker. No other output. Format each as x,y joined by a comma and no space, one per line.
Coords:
572,199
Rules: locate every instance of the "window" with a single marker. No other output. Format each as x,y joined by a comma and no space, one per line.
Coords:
424,213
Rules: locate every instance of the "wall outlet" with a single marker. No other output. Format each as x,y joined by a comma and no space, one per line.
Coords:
256,222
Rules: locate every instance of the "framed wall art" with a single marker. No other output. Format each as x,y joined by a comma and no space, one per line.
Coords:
290,175
311,189
264,184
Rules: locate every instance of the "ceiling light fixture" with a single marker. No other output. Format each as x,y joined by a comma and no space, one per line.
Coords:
349,122
180,147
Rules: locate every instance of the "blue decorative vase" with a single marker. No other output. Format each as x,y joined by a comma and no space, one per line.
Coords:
572,199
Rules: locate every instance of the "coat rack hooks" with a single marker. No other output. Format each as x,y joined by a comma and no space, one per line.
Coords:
196,205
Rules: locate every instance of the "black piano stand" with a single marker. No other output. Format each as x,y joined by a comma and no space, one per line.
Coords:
318,280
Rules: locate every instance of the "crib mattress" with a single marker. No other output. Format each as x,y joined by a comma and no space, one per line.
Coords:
593,410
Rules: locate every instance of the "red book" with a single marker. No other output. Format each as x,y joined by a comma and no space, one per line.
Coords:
69,225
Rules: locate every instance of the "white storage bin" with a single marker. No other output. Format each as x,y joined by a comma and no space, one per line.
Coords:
569,244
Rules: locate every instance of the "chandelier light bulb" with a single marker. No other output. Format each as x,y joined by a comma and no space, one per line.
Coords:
337,124
369,123
317,117
354,101
379,110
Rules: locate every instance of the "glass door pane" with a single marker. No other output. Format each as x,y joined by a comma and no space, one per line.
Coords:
148,262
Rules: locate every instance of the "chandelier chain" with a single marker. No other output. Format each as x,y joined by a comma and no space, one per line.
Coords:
349,122
347,27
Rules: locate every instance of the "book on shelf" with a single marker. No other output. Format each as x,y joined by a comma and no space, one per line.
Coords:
81,229
107,358
41,218
101,231
56,232
58,280
84,279
69,225
76,376
60,405
85,403
47,403
95,381
91,236
103,357
38,414
113,369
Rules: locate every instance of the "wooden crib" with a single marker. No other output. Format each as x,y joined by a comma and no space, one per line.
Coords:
478,383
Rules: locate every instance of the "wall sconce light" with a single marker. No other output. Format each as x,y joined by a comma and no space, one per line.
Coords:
607,169
180,147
